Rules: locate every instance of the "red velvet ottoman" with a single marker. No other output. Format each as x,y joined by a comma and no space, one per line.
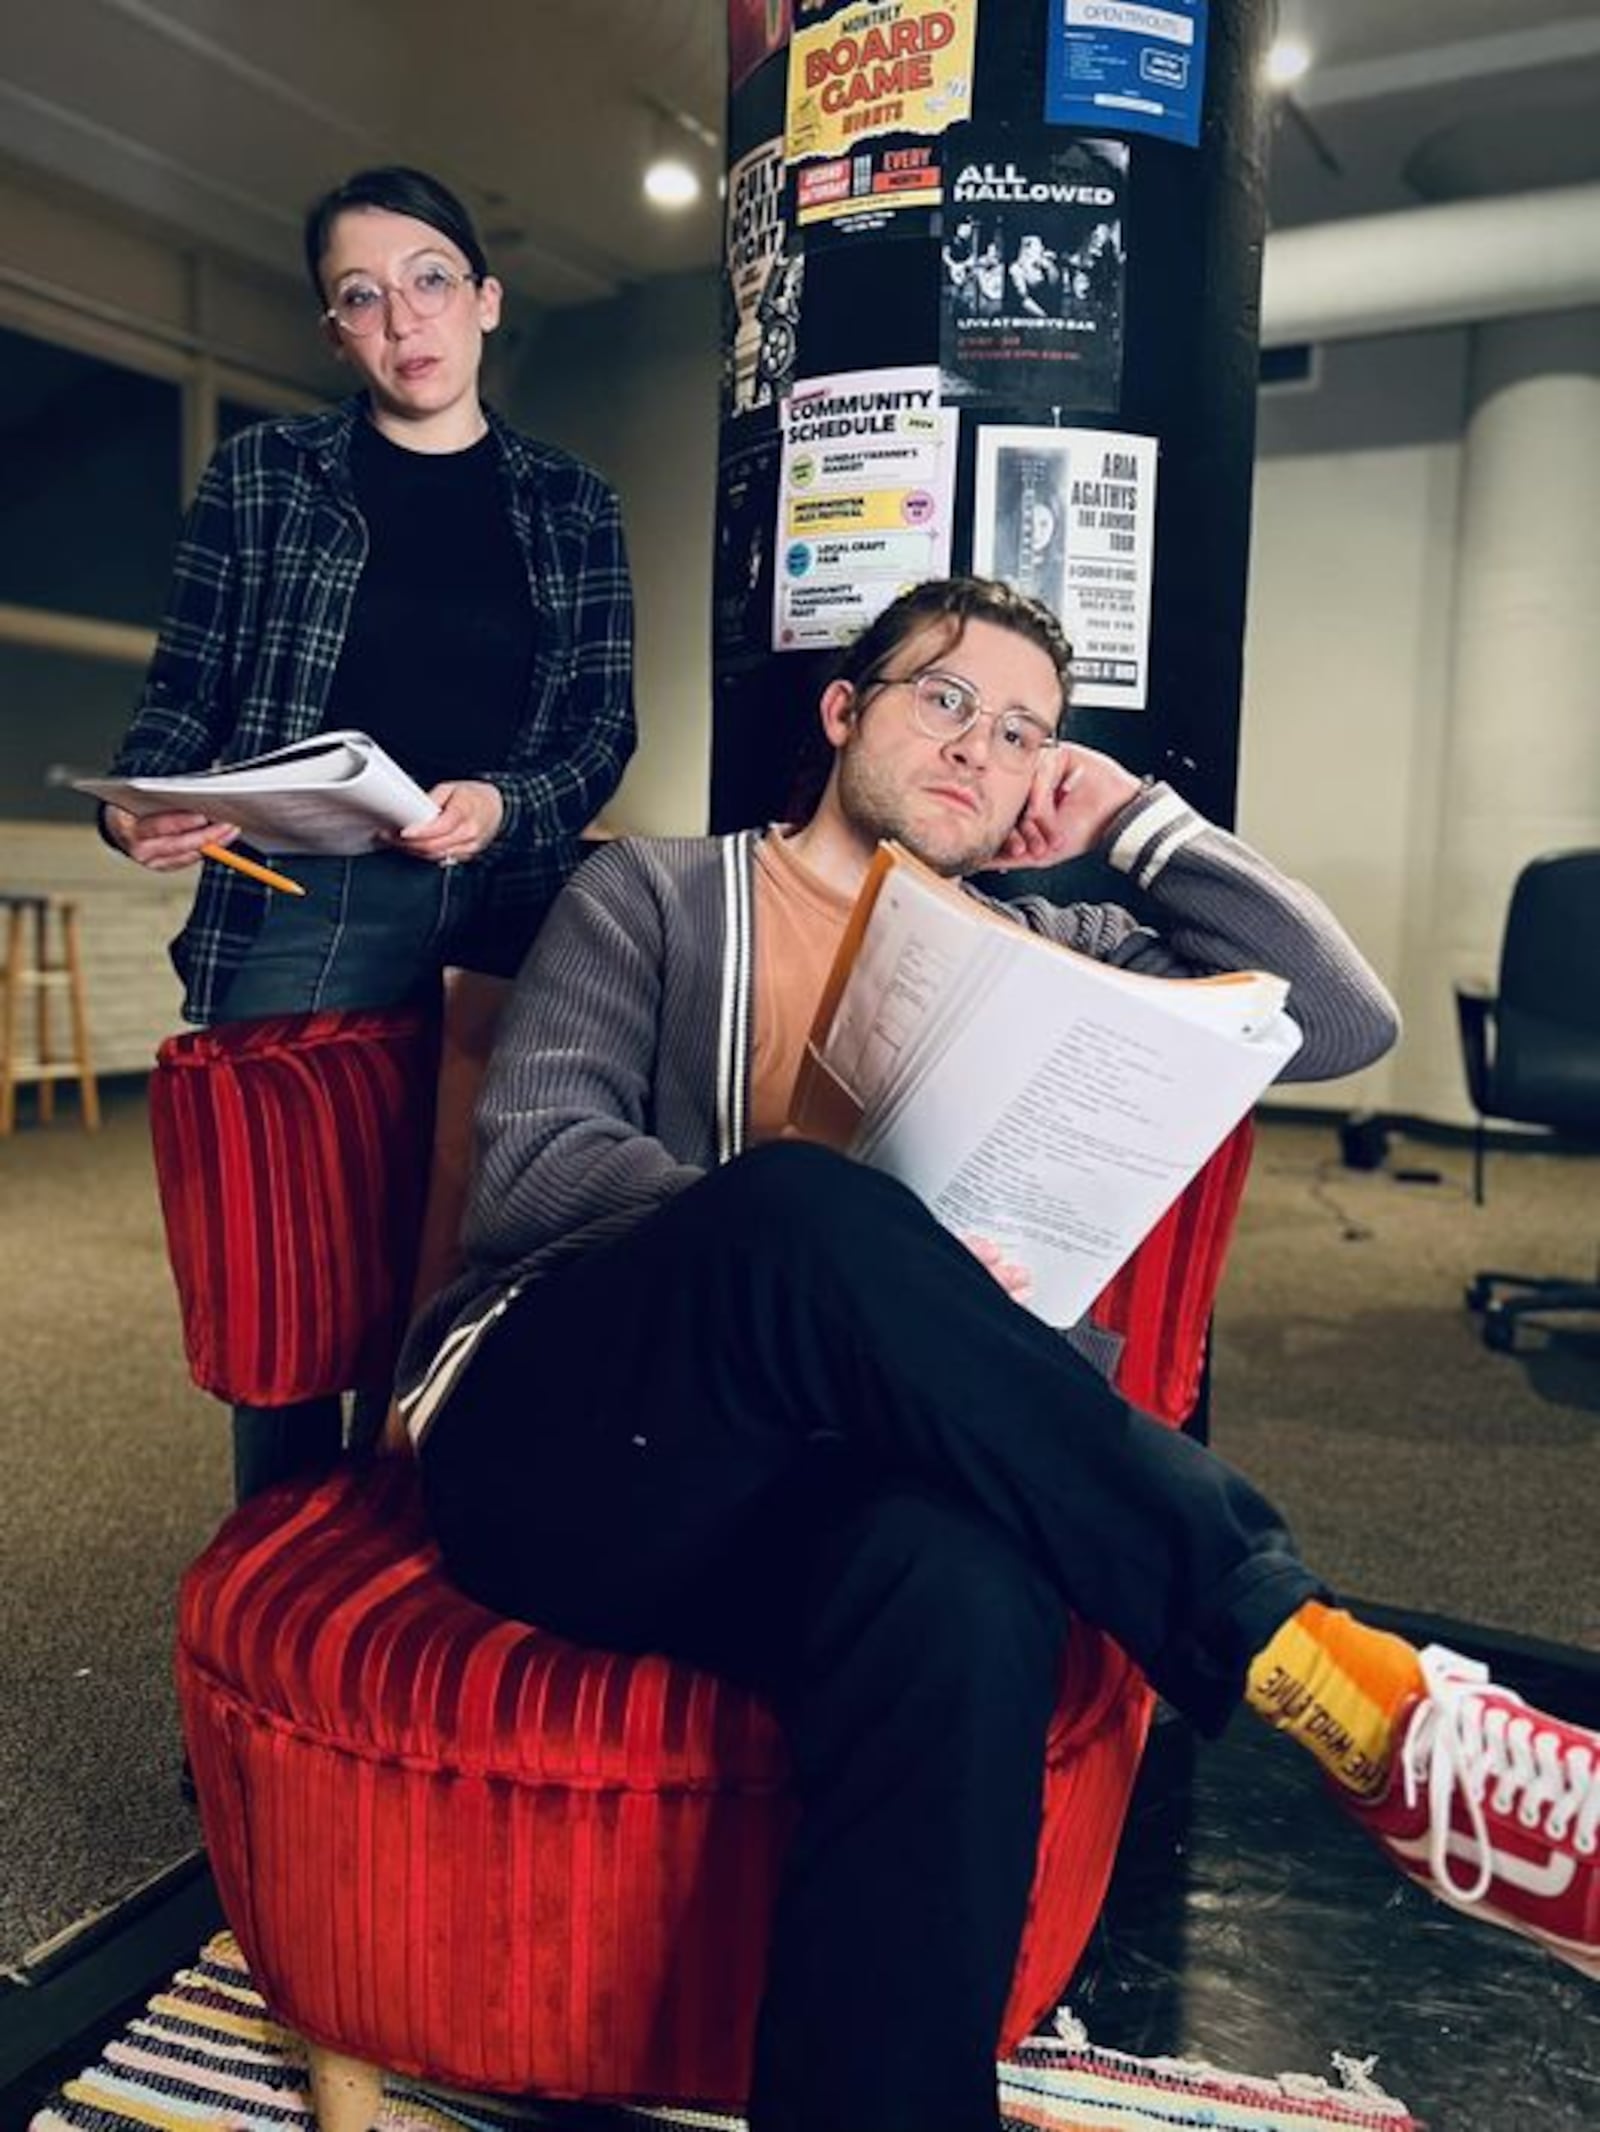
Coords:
464,1848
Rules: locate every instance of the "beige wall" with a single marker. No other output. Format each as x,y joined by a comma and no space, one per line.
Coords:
1382,680
631,386
1347,668
79,269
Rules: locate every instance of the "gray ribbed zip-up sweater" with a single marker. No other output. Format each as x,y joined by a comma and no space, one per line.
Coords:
621,1072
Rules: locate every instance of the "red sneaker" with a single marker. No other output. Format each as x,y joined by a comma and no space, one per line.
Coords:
1495,1808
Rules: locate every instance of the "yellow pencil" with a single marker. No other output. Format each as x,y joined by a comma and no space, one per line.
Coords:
252,867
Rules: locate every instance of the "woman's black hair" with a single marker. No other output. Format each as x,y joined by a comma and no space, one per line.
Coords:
401,191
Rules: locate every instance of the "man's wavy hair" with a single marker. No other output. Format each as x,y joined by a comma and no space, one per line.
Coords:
957,601
954,601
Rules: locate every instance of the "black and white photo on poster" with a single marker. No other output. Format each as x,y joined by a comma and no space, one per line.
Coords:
1031,268
1069,516
754,245
747,523
778,318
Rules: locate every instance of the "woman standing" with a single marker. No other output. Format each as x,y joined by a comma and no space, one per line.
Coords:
408,565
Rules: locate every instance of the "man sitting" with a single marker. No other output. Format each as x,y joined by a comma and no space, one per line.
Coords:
708,1390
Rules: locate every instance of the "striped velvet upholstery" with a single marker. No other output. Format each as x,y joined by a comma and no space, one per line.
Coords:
292,1156
467,1849
447,1842
1158,1308
292,1159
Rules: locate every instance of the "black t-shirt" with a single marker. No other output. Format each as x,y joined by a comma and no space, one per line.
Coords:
435,664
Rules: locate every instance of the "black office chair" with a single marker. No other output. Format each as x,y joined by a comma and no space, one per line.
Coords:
1532,1053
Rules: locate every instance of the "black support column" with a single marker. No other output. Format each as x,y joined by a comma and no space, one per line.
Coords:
867,290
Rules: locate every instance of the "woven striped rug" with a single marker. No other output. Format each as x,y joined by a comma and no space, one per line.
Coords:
205,2057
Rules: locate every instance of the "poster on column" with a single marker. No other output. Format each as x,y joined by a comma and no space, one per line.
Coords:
756,29
1069,515
870,86
1031,277
761,279
864,499
747,520
1140,68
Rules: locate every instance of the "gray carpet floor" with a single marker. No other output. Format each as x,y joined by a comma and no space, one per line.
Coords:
117,1472
1417,1468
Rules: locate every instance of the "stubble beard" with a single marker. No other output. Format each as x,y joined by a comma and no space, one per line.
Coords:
875,806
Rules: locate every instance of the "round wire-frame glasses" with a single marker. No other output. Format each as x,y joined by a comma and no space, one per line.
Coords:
425,286
945,707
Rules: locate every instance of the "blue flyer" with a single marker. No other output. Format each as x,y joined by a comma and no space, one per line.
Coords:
1121,66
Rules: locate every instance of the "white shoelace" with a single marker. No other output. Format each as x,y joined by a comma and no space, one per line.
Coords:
1490,1745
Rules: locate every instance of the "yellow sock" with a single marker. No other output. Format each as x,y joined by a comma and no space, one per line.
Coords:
1336,1686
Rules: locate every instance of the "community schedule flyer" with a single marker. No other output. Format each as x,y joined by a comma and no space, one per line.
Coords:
864,500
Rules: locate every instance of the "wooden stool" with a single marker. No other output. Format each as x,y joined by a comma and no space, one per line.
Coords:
43,974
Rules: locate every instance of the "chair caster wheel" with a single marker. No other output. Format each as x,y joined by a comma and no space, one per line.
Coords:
1499,1332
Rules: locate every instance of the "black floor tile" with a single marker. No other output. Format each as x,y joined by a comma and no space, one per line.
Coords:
1251,1923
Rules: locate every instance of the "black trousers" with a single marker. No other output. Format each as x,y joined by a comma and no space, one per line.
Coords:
373,931
790,1429
272,1444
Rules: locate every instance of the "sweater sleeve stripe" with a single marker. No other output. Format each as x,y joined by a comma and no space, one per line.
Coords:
1145,844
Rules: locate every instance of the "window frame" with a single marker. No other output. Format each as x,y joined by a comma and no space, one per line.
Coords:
204,376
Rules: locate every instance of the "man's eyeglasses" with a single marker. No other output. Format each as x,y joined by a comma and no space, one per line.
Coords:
944,707
360,306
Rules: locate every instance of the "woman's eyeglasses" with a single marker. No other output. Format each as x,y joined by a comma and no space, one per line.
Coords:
425,286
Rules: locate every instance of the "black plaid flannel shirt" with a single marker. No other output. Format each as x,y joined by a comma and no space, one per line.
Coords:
265,577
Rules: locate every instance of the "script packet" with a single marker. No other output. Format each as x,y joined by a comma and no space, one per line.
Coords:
1028,1094
334,796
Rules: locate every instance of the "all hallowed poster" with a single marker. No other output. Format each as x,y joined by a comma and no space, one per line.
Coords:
1031,270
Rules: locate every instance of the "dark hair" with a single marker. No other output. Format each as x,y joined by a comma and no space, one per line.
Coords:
401,191
958,601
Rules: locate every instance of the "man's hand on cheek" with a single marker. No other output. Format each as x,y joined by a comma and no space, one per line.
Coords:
1075,795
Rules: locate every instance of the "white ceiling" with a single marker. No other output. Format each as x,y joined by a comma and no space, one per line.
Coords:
223,117
1419,100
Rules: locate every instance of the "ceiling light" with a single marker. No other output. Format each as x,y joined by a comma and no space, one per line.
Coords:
1287,62
670,182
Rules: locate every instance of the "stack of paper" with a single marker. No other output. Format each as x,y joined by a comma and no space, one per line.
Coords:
1032,1096
337,795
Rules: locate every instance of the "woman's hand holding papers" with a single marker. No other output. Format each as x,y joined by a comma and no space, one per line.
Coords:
470,813
164,842
1075,795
